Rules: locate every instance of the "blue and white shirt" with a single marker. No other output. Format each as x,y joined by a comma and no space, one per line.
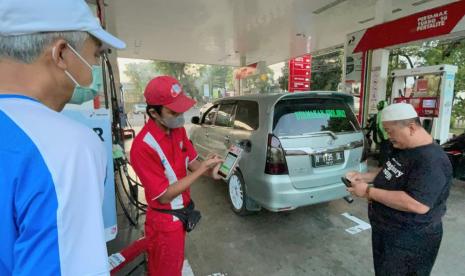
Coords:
52,173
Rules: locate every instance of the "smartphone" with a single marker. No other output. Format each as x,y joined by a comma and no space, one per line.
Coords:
346,182
230,162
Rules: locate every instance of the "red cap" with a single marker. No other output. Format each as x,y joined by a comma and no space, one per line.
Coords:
167,91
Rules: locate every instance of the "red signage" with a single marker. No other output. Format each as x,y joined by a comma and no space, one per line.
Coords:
247,71
422,85
422,25
300,79
424,106
301,72
300,69
299,86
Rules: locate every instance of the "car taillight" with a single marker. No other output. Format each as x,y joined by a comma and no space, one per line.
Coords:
275,157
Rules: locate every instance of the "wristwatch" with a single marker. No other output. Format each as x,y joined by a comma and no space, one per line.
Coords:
367,192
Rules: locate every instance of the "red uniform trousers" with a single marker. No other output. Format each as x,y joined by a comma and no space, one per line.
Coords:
165,250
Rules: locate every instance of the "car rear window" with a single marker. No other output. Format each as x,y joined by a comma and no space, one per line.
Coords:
302,116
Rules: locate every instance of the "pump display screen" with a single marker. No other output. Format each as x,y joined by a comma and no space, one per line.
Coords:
228,164
429,103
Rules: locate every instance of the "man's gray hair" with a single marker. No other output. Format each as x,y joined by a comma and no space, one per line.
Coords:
27,48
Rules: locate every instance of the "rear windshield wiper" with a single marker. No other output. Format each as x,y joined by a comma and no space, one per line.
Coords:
327,132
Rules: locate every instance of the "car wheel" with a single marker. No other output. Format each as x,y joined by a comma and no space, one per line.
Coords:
238,194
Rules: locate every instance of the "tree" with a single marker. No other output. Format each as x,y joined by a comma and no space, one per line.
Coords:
458,111
140,74
283,80
262,83
221,76
327,71
435,53
175,70
185,73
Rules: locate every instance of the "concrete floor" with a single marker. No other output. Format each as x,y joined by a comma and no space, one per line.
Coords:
307,241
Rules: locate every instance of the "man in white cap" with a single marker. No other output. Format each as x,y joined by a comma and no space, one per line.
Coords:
408,198
52,168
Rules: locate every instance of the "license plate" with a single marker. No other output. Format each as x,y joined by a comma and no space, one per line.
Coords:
327,159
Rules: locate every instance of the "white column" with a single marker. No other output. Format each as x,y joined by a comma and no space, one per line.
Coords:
380,60
378,79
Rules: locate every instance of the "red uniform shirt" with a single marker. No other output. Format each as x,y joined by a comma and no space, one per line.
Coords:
148,166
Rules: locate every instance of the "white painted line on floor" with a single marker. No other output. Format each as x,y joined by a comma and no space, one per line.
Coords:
361,225
187,269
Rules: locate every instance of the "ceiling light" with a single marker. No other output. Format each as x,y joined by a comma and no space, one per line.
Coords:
366,20
328,6
421,2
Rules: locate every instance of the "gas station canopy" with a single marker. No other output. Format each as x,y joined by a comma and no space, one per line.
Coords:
240,32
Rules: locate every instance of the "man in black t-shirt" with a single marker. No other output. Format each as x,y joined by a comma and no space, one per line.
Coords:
408,198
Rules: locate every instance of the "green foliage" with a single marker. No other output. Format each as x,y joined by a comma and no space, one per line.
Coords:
185,73
191,76
262,83
458,111
221,76
447,53
283,80
327,71
434,53
140,74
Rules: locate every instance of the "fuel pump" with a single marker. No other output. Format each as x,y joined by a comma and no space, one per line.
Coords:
430,90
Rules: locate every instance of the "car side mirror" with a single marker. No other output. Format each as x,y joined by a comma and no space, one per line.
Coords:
195,120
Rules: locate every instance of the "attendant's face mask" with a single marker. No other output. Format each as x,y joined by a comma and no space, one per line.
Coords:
167,119
82,93
173,122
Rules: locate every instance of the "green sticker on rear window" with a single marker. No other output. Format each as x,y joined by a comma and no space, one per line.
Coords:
320,114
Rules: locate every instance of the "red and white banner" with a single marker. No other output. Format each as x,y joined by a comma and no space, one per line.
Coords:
246,71
300,72
423,25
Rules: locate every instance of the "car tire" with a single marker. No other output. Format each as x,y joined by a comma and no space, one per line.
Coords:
238,194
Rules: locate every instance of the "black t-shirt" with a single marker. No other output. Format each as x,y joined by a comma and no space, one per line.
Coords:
425,173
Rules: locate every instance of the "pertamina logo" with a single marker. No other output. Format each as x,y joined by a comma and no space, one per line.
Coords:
175,90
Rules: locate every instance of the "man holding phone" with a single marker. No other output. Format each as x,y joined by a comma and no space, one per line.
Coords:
408,199
161,154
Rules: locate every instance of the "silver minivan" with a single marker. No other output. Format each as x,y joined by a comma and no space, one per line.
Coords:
296,147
